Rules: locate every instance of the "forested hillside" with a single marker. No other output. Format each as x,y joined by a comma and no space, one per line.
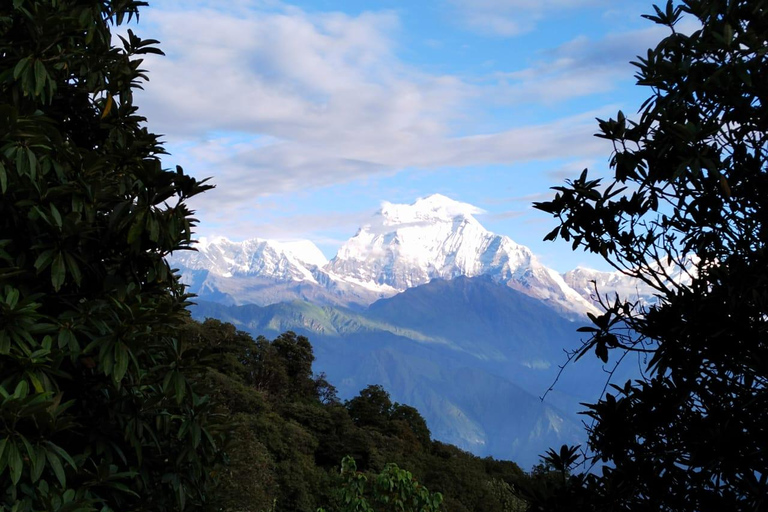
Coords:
473,356
291,432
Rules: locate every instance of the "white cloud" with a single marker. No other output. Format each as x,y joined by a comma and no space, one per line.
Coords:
284,223
508,18
275,100
579,67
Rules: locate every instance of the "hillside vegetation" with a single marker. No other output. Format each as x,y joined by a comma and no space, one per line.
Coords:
291,432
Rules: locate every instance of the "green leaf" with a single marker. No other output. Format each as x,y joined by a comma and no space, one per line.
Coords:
21,162
195,428
22,389
28,447
44,260
57,272
136,228
38,463
56,215
154,229
12,297
36,382
58,469
62,453
23,63
15,464
121,487
3,179
179,387
167,381
121,362
32,163
74,268
3,443
40,76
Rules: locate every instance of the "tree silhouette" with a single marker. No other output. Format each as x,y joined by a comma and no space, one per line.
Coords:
686,212
97,411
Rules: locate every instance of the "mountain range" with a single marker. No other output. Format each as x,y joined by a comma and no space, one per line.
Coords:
472,355
401,247
465,325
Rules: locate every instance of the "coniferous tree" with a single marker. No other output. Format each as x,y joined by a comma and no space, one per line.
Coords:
97,411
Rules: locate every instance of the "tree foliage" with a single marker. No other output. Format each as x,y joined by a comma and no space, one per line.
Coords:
393,489
373,408
688,196
97,409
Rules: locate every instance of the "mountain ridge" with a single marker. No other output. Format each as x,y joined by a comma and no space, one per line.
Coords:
401,247
474,369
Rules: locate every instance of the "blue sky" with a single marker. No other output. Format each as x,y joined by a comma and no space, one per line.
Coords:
308,114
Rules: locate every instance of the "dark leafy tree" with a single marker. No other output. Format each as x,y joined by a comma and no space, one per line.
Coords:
552,486
371,408
297,355
97,409
326,392
283,368
410,419
688,196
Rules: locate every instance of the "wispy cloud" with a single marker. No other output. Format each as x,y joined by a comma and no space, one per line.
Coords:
508,18
271,99
313,226
509,214
580,67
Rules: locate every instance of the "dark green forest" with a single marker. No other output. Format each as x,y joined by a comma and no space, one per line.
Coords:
112,399
291,432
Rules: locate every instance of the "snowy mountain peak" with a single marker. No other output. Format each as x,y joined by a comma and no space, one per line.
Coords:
305,251
434,208
255,257
436,237
402,246
590,282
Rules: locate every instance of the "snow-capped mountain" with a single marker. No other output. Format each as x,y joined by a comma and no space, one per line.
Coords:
612,284
263,272
436,237
402,246
609,284
291,261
